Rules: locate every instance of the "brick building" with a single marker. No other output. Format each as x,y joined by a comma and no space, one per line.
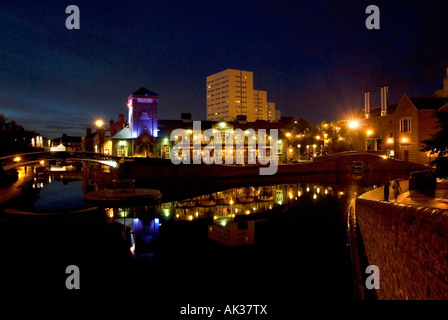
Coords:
397,130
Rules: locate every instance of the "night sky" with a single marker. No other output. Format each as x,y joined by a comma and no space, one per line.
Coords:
314,58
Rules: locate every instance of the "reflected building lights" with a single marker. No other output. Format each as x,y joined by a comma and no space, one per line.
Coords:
229,203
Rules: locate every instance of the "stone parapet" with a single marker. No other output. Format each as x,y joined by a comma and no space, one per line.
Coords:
408,243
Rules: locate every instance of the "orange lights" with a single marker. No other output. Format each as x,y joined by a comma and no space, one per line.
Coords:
390,140
369,132
353,124
404,140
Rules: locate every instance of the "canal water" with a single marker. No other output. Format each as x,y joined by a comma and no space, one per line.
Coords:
278,243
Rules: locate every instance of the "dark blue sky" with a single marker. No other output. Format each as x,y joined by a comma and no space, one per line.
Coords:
315,58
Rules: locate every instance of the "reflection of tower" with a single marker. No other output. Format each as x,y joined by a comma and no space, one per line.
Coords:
142,118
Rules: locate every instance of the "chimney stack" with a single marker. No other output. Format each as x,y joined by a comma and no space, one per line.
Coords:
384,100
367,104
121,117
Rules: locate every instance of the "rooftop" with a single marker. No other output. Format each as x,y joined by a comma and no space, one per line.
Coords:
144,92
431,103
123,134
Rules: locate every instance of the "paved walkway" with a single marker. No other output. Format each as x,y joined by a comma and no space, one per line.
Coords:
440,200
15,189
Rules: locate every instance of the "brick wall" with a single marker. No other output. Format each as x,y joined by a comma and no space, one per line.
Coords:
409,244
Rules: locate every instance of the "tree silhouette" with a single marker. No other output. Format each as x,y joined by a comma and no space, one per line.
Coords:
146,146
438,145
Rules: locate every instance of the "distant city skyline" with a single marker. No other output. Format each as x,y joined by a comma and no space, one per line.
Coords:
315,59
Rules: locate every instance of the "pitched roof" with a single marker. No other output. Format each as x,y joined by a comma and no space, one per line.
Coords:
144,92
427,103
376,112
431,103
123,134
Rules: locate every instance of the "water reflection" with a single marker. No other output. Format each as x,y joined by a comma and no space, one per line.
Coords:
52,193
230,215
245,201
236,202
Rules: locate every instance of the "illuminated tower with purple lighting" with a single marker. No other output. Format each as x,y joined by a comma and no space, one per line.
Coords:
142,118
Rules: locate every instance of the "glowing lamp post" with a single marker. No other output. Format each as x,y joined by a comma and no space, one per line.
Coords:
99,123
353,124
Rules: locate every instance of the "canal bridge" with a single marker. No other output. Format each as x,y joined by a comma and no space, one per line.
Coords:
31,158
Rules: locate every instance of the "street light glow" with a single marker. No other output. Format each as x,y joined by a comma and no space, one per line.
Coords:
353,124
99,123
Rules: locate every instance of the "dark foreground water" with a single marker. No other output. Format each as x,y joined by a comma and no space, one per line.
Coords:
280,245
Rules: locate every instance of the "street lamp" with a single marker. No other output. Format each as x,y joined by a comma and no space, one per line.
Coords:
99,123
353,124
307,147
314,150
298,146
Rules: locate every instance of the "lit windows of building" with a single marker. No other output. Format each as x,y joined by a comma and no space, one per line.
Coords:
405,124
232,92
399,129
